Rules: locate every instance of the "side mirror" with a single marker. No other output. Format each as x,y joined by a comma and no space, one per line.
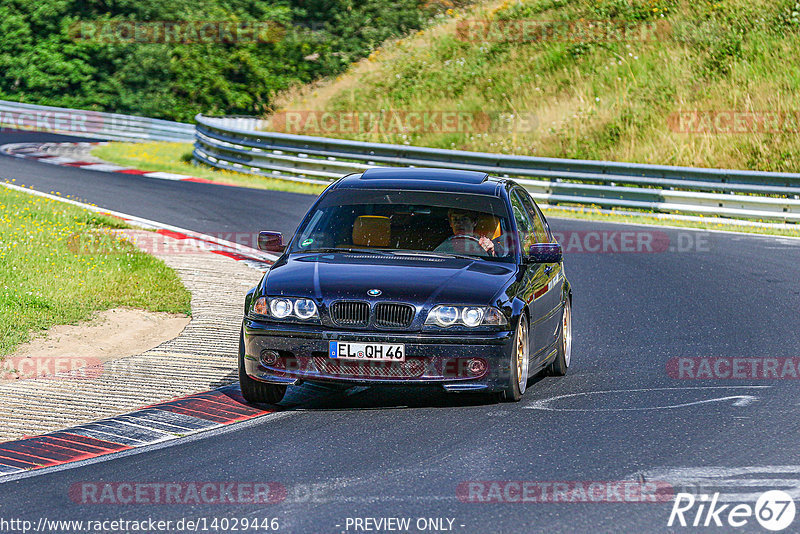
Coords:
270,241
545,253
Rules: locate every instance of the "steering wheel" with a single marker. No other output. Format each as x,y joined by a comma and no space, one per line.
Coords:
463,236
448,244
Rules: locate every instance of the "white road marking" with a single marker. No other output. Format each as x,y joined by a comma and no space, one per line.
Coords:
726,481
740,400
166,175
106,167
57,160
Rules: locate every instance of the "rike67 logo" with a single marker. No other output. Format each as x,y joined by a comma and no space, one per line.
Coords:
774,510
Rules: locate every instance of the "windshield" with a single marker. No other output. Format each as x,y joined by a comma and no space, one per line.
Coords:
410,222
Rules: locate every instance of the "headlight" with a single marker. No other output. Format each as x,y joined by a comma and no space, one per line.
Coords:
305,308
286,308
444,315
280,308
470,316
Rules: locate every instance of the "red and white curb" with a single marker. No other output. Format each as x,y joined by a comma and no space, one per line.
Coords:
150,425
153,424
156,424
36,152
253,257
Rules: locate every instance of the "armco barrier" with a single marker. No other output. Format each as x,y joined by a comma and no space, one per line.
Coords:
83,123
236,143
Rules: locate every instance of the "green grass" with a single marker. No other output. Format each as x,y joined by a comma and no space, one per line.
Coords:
177,157
49,274
590,98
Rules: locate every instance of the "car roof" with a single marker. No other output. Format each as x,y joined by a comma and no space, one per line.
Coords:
423,179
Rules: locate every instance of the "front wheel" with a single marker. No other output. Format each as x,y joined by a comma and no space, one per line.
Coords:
254,391
564,354
518,375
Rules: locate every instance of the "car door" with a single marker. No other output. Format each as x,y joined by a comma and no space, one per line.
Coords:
545,332
534,279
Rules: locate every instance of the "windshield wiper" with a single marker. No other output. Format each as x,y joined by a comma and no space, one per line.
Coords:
384,252
349,250
434,254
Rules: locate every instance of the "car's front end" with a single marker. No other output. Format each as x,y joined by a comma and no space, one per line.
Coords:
335,318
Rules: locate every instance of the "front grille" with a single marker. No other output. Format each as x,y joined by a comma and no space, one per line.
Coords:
411,368
394,315
350,313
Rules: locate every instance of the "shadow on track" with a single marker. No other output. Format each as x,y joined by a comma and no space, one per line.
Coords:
311,396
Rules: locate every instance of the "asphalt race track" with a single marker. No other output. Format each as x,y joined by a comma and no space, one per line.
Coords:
206,208
618,415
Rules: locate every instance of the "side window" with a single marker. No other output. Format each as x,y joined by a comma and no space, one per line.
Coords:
547,229
526,233
536,217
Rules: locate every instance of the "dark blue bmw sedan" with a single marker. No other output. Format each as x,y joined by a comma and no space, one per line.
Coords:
411,277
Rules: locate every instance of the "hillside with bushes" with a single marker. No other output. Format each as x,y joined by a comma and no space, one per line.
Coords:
711,83
85,53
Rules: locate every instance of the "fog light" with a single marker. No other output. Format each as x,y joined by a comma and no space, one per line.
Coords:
269,357
476,366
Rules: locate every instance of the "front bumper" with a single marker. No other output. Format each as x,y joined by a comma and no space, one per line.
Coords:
431,358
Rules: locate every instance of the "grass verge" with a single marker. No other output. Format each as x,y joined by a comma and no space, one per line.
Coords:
46,280
177,158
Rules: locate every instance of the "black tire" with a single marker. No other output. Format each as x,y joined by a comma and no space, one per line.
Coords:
564,349
254,391
513,390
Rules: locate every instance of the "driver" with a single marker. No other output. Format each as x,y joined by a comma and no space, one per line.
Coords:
463,223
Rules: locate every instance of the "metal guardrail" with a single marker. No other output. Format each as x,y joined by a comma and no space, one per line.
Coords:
83,123
236,143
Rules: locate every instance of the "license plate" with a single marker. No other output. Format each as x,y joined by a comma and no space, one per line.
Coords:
373,352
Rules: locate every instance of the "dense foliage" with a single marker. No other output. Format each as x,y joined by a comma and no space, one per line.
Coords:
650,81
49,56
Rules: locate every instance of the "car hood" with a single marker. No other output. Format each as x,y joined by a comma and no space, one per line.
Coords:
418,281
